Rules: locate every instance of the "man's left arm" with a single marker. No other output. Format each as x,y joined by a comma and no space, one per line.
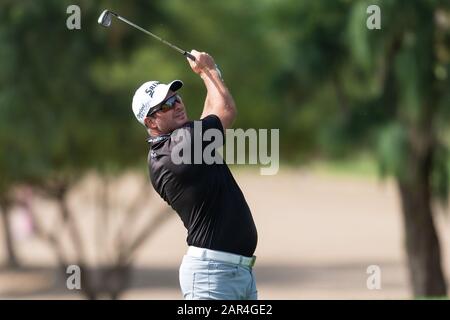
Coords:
218,98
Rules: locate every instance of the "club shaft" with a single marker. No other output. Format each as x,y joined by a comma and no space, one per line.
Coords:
151,34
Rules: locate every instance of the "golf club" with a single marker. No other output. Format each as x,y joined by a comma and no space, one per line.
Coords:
105,20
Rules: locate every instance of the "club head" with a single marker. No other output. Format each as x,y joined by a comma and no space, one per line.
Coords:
105,18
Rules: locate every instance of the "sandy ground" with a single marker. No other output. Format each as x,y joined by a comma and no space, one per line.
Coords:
318,234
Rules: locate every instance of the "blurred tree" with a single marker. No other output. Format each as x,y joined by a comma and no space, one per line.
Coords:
57,120
232,32
120,225
392,90
420,101
311,68
11,256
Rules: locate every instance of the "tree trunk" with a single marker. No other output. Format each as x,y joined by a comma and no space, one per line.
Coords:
12,261
422,242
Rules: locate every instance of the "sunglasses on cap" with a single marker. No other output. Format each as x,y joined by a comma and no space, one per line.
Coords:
166,105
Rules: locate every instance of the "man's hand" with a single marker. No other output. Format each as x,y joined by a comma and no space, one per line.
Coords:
203,63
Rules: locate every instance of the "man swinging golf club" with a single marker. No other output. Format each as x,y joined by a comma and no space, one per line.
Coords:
221,233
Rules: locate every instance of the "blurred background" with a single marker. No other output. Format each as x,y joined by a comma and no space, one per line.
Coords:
364,134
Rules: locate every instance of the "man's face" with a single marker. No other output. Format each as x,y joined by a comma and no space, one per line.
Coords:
162,122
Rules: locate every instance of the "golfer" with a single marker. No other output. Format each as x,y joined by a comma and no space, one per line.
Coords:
221,233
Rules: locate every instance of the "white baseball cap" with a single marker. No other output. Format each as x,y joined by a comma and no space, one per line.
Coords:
151,94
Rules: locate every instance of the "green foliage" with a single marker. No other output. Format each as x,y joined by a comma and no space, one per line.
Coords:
56,119
392,149
440,176
389,98
310,68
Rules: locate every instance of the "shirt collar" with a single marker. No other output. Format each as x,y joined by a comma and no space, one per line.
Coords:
154,140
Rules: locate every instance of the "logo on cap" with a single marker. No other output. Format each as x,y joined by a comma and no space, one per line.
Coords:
140,114
151,90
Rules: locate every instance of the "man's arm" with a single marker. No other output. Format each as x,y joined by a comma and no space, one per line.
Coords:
218,99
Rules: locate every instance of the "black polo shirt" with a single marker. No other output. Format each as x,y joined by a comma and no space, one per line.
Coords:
205,196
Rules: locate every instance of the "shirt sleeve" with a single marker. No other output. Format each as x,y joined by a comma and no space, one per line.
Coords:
213,122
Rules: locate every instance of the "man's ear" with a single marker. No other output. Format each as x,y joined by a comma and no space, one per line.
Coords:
150,122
